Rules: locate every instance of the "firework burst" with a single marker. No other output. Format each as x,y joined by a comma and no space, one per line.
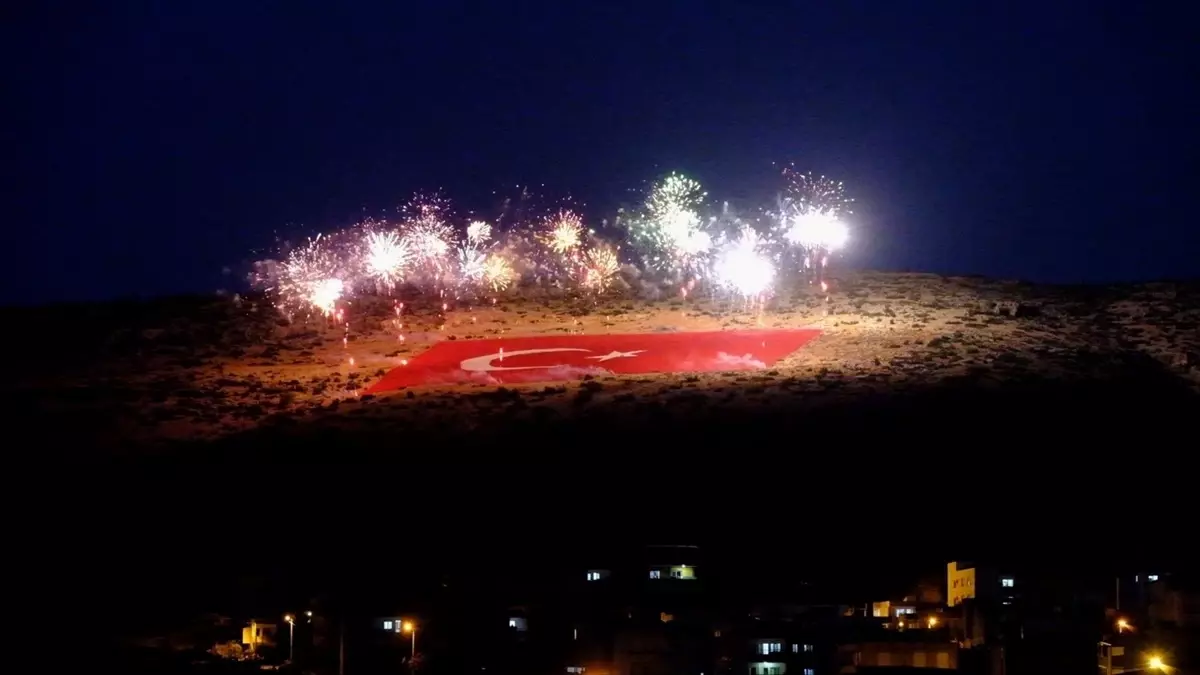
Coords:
816,193
599,269
479,233
810,219
498,273
431,241
386,258
474,262
669,232
743,267
423,251
427,206
311,278
563,232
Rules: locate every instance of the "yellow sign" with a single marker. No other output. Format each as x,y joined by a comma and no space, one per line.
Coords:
960,584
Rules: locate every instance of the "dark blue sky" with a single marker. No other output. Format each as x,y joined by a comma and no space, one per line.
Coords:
157,142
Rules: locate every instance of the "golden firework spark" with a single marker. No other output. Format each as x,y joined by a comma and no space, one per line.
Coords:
564,232
600,267
498,273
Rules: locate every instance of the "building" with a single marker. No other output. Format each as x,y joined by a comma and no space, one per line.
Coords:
787,651
258,635
921,608
892,654
988,604
1172,602
645,614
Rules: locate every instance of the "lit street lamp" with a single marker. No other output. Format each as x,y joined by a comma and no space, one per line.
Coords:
411,628
291,620
1154,662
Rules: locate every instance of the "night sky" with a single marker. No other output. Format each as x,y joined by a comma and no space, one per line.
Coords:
155,143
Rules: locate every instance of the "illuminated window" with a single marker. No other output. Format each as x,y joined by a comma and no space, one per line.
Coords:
808,648
795,648
1007,582
808,671
1151,577
683,572
768,647
387,625
655,574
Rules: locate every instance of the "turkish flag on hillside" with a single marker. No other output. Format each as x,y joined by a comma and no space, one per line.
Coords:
550,358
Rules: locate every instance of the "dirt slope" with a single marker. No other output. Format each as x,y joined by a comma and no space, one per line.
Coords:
195,370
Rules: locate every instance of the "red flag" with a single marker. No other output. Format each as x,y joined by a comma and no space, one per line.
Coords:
550,358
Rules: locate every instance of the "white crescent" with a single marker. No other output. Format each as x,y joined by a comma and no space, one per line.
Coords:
483,364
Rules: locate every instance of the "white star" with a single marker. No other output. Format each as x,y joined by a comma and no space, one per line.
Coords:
616,355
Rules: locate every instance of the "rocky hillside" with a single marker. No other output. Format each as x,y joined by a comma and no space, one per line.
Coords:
222,373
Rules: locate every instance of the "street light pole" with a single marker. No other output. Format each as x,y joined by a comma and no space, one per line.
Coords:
411,628
291,636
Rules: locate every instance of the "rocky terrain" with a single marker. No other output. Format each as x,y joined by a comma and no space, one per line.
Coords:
947,359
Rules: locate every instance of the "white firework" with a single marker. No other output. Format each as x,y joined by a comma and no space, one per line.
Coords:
743,267
387,257
430,240
478,233
669,233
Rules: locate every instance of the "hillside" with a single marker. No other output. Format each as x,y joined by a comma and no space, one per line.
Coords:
898,352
